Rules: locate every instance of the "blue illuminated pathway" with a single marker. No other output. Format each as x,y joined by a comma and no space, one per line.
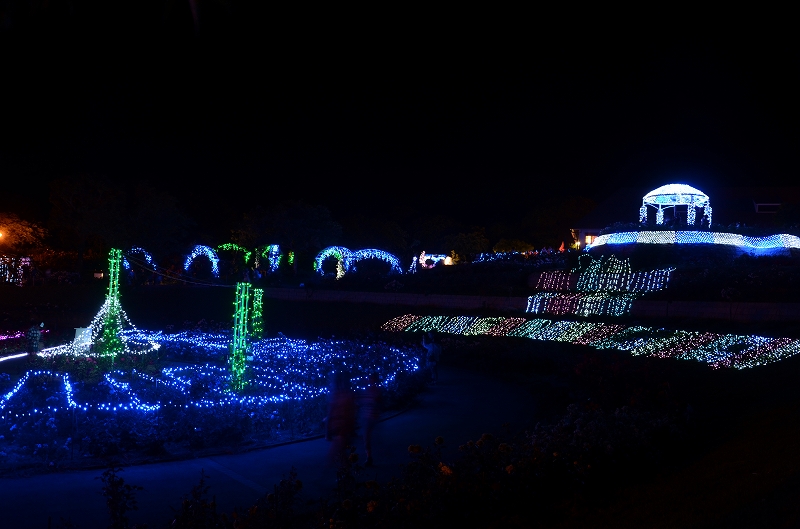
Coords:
461,407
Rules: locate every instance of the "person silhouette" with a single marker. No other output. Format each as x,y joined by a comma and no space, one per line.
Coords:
34,336
341,420
432,356
370,407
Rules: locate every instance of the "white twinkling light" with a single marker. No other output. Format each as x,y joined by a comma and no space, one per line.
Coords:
372,253
777,241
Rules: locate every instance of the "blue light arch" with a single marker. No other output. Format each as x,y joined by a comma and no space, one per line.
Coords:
206,251
144,253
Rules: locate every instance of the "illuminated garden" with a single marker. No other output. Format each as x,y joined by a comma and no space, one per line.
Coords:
615,393
265,266
116,390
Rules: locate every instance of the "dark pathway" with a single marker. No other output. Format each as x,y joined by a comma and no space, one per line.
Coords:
461,407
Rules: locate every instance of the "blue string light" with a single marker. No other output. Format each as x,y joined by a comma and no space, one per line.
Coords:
273,254
278,369
342,256
144,253
206,251
281,370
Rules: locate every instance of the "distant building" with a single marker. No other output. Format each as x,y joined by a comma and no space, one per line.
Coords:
753,206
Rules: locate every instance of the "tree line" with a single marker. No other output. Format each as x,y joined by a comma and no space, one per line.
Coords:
88,215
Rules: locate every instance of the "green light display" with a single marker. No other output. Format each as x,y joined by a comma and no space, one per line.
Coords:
229,246
257,319
109,343
238,359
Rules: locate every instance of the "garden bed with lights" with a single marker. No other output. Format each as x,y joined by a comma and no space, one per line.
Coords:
625,417
175,400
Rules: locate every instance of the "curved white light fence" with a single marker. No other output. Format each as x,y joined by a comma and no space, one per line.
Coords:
372,253
772,242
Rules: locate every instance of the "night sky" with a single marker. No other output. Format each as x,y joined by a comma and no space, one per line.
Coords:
483,118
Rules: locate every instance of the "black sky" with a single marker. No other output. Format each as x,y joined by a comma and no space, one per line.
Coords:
482,120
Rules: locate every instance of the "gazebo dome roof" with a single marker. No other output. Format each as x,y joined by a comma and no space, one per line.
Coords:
676,194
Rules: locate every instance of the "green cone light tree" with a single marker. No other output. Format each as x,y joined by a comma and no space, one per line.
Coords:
109,343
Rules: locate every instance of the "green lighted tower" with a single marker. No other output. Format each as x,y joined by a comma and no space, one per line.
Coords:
257,318
238,359
110,343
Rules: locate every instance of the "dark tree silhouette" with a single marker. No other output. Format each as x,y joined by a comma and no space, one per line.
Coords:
87,212
470,243
512,245
155,222
548,224
294,225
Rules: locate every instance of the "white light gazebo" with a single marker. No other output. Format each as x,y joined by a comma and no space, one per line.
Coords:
672,196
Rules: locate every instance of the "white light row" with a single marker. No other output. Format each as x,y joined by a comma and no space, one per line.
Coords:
581,303
699,237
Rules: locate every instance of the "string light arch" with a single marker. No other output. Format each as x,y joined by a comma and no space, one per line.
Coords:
372,253
206,251
136,250
342,256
